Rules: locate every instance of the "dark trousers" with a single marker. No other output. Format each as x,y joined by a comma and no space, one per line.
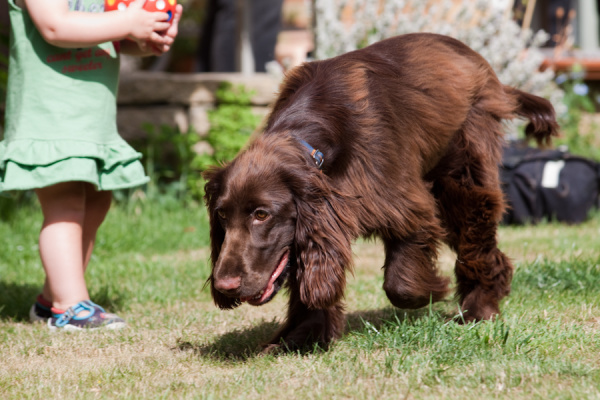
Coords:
218,45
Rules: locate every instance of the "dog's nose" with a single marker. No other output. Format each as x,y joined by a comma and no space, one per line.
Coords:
228,284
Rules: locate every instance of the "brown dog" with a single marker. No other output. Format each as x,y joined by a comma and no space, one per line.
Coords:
409,136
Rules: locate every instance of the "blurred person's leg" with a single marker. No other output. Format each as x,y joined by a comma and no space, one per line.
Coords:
205,38
224,43
265,23
217,41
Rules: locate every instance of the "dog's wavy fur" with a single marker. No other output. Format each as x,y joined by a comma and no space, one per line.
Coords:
411,130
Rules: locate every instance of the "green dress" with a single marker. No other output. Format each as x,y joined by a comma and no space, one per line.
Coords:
61,113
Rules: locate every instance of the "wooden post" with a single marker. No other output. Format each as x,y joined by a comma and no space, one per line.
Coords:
509,7
528,14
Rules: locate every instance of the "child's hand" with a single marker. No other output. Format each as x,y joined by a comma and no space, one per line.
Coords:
62,27
146,26
168,36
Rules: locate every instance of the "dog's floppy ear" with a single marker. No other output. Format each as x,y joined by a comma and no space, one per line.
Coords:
212,190
324,236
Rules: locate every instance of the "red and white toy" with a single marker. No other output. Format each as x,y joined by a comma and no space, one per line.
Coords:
167,6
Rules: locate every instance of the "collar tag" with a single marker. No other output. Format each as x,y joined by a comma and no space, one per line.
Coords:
315,154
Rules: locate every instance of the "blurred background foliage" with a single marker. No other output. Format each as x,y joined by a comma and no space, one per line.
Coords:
173,159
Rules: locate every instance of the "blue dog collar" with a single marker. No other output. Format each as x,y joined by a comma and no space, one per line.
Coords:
315,154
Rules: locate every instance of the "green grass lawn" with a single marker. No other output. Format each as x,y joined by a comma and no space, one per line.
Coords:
150,267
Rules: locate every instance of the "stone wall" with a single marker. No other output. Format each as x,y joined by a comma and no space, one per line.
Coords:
181,100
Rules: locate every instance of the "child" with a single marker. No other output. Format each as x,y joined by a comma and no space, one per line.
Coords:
61,137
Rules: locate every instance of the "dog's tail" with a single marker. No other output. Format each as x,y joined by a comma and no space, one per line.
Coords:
540,113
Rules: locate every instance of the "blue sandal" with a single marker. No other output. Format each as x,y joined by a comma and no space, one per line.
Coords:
94,318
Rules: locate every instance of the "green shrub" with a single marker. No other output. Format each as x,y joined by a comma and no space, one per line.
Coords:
231,125
578,101
170,160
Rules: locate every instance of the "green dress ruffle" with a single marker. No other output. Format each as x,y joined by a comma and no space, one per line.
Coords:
29,164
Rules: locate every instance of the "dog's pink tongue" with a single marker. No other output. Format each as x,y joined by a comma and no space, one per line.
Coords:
268,291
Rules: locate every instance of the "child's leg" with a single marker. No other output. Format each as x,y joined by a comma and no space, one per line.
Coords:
60,243
73,211
97,204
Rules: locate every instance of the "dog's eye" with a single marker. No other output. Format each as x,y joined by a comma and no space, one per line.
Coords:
221,214
261,215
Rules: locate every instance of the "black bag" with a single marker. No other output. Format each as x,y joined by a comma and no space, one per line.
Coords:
548,184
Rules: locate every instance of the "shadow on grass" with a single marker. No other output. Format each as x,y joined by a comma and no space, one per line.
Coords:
241,345
365,319
237,345
16,300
